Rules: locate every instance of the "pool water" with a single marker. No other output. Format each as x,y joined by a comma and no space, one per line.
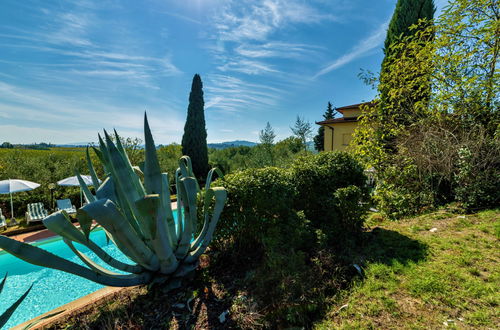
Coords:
52,288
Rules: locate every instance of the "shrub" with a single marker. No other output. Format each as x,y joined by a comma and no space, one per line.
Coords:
478,177
318,179
257,199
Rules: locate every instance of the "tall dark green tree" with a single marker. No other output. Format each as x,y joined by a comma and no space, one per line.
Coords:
194,140
410,17
319,138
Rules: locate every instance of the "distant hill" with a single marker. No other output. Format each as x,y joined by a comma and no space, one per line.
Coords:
229,144
75,144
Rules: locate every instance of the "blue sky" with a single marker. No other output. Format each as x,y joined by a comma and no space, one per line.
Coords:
70,68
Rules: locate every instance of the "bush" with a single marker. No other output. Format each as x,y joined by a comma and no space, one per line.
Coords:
257,199
318,179
478,178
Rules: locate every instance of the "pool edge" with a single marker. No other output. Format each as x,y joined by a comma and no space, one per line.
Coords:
70,307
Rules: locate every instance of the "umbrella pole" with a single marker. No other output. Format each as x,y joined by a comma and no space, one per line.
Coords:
81,198
11,207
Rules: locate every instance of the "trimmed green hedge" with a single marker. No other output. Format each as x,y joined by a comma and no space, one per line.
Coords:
328,187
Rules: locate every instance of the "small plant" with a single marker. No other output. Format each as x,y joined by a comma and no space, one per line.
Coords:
133,207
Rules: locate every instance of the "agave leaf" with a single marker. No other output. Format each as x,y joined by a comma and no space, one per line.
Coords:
3,282
86,191
8,313
150,206
167,206
40,257
220,195
48,316
86,260
93,175
108,215
123,153
152,172
125,178
60,224
188,192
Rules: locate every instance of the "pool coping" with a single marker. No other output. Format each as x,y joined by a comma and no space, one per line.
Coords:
74,305
70,307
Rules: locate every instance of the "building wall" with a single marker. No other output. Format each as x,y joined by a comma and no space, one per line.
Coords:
351,113
342,135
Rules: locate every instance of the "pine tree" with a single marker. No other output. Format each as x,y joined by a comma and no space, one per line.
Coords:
302,129
319,138
194,140
267,135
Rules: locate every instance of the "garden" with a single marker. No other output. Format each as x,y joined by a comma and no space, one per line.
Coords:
278,236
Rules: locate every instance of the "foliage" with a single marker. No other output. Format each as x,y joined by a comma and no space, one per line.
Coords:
194,140
266,137
467,78
407,15
478,174
137,217
6,145
44,167
320,137
302,129
318,179
257,200
414,146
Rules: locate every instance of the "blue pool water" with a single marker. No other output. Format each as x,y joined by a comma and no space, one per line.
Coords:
52,288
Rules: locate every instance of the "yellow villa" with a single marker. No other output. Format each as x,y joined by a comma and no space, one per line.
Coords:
338,131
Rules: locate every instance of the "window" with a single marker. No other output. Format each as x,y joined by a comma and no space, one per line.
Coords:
346,138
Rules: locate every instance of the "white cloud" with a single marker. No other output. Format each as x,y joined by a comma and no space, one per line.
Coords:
362,48
247,66
231,95
256,20
278,49
64,119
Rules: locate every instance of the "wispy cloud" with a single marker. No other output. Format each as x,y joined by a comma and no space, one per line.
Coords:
247,66
362,48
256,20
278,49
82,118
183,17
228,94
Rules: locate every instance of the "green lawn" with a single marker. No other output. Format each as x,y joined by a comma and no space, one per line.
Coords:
417,278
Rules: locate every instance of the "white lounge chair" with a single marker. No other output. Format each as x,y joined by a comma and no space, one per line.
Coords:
65,204
3,224
36,212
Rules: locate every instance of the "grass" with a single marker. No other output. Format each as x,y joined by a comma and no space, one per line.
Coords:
446,278
413,278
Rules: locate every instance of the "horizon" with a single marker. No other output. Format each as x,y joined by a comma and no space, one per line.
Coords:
68,70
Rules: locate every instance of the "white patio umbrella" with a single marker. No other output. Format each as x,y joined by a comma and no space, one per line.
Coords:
73,181
10,186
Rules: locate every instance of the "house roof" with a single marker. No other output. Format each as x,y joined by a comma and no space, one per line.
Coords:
354,106
337,120
345,119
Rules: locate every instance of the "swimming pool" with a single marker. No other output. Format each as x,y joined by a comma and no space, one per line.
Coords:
53,288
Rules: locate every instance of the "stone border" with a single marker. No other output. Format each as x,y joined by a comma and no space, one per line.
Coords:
71,307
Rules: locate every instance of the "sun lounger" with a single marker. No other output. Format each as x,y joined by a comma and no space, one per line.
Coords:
2,220
36,212
65,204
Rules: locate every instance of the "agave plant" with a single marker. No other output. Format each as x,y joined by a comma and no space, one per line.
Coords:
133,207
4,317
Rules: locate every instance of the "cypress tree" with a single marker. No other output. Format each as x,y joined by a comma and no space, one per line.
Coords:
320,137
194,140
406,14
